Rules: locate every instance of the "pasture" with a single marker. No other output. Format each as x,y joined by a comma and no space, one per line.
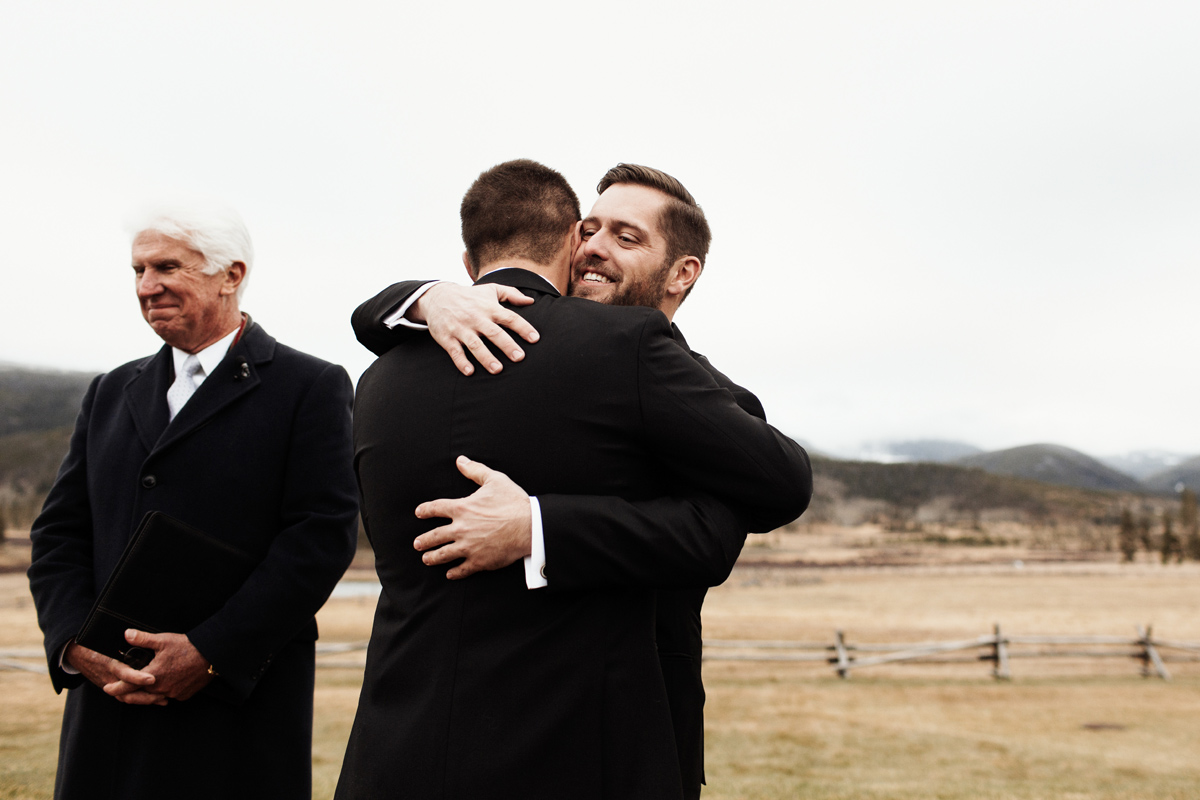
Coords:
1063,728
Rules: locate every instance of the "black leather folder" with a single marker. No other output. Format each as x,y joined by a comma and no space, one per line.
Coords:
170,578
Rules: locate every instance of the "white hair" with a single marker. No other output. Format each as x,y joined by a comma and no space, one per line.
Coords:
215,231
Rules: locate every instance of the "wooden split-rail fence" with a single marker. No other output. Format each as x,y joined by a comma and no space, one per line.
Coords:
845,657
998,648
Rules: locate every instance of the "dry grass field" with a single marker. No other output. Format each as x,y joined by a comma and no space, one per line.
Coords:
1059,729
1070,728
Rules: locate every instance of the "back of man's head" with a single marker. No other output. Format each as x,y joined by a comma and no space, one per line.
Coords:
683,223
518,209
213,230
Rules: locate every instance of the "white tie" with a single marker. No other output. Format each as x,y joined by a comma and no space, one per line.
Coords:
184,386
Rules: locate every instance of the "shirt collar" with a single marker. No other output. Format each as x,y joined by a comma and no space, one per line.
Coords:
209,357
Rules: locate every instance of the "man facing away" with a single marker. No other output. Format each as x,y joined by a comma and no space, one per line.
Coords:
490,688
644,243
248,440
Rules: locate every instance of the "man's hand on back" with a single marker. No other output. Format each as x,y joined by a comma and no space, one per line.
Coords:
490,528
463,316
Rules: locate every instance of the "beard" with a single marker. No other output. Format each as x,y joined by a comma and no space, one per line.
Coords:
646,291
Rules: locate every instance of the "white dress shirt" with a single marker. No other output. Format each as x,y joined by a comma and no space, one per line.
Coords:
209,357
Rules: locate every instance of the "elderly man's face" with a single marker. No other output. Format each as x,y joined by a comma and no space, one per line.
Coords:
622,258
187,308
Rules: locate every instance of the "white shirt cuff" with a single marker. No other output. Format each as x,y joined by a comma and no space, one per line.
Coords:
62,660
535,562
397,317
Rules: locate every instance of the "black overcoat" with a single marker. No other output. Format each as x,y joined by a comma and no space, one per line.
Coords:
260,455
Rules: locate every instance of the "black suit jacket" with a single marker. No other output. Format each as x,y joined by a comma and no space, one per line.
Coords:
482,687
261,456
681,543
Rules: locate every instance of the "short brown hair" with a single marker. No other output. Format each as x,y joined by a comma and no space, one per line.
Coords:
518,209
682,222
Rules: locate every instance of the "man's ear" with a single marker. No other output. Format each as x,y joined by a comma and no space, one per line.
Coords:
235,273
467,264
684,272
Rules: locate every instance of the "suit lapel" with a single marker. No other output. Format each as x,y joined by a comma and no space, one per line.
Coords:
146,396
237,375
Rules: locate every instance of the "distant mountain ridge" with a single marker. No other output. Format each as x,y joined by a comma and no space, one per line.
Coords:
1169,479
44,400
39,400
1055,464
1155,471
948,494
29,461
1141,464
936,451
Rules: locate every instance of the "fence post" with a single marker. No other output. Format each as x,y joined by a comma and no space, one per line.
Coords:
843,660
1000,651
1150,654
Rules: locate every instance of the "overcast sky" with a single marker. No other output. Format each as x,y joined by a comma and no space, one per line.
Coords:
964,220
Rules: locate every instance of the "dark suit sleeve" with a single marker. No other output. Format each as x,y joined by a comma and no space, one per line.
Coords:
684,540
313,548
677,541
61,571
707,441
367,319
746,399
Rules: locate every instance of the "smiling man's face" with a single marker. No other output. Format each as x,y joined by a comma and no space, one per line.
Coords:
185,306
622,258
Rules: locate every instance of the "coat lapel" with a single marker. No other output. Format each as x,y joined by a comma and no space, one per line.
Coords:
146,396
237,375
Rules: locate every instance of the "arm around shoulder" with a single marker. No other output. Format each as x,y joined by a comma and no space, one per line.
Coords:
711,443
367,319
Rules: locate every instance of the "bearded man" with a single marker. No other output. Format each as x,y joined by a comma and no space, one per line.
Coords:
644,243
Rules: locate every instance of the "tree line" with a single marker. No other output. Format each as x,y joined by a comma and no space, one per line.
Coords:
1160,535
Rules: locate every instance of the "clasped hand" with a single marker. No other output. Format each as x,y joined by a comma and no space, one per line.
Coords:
177,671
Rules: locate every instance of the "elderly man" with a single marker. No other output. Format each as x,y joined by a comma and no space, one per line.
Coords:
644,243
246,439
